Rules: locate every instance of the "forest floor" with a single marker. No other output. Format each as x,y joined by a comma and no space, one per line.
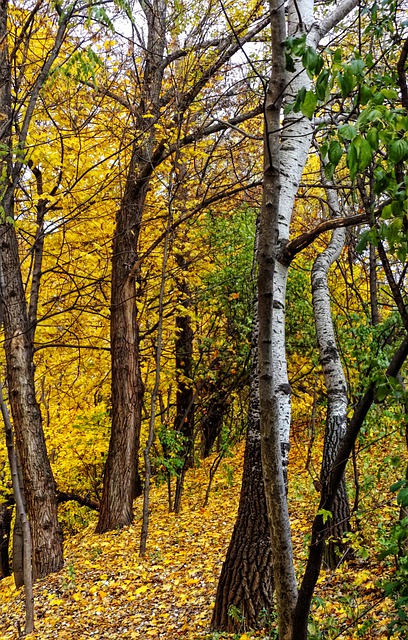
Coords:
106,591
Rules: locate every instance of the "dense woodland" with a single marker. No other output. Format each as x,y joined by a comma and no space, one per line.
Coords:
203,277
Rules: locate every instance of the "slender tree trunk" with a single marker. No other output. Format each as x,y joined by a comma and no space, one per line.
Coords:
336,416
6,513
18,536
151,436
312,570
184,422
246,581
21,515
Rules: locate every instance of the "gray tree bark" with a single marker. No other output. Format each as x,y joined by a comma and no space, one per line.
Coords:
246,581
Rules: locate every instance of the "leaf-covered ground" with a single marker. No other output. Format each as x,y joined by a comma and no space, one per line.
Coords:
107,591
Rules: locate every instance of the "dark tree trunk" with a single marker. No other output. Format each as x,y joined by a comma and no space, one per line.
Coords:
246,581
6,512
39,484
184,422
40,489
18,536
211,424
339,522
121,470
121,480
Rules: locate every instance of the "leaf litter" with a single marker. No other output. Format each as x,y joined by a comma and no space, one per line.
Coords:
107,591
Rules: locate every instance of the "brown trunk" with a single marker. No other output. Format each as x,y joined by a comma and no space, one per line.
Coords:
18,536
21,515
39,484
245,589
121,469
121,479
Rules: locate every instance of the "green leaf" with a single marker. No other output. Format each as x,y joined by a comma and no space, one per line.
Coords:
296,45
402,497
347,131
372,138
386,213
398,150
299,99
324,149
289,63
363,241
309,104
364,152
357,66
329,170
378,98
325,515
397,485
390,94
369,115
365,94
310,58
402,253
382,392
346,82
335,152
382,180
352,160
322,84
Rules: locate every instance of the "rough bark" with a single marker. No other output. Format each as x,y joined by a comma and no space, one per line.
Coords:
336,387
38,480
147,154
39,484
127,390
246,581
121,469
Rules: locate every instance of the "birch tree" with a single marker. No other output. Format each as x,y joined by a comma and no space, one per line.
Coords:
285,154
335,381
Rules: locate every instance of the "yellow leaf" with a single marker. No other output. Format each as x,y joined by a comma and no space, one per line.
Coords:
141,589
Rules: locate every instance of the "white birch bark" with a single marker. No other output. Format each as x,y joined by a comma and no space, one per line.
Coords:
286,148
296,139
335,381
